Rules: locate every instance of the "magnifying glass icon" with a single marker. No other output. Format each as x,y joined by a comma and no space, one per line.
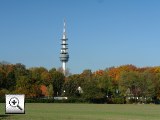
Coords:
14,102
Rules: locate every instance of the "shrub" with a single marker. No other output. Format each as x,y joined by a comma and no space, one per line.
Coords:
118,100
38,100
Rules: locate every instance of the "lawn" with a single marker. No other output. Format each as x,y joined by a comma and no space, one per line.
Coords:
52,111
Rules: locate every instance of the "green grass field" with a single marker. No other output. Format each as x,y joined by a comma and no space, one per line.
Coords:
52,111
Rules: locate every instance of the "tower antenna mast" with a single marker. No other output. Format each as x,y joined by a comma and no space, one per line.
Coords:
64,55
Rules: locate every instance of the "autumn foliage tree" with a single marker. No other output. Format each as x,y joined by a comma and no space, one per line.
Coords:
125,81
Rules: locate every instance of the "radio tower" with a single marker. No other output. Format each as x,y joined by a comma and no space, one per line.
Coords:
64,56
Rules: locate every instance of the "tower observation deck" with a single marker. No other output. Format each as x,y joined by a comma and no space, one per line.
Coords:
64,56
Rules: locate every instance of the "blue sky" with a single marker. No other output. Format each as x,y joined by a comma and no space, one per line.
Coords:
101,33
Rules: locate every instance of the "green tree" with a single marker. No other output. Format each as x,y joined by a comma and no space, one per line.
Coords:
71,85
52,70
87,75
157,86
2,78
129,81
28,86
46,78
58,80
50,91
104,82
91,92
146,84
36,74
9,80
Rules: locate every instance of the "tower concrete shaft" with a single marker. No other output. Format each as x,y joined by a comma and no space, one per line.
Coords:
64,56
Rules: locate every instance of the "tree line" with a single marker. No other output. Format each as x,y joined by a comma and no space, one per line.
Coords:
122,84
